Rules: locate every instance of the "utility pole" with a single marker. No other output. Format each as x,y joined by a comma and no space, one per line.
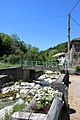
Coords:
69,33
68,40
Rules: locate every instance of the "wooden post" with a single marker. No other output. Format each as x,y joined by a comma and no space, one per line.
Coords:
68,40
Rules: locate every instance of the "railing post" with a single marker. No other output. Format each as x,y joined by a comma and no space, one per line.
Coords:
32,63
46,64
36,63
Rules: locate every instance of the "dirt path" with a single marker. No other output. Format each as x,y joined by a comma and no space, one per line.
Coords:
74,97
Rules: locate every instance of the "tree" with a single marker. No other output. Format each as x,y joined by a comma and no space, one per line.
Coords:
15,37
22,46
13,59
7,44
1,47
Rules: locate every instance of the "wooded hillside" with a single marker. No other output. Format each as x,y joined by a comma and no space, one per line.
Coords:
13,50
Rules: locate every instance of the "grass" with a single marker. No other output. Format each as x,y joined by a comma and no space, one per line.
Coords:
7,65
7,116
16,108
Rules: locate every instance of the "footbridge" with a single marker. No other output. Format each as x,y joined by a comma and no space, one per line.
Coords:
40,65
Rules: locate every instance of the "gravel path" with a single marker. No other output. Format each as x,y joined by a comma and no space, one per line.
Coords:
74,97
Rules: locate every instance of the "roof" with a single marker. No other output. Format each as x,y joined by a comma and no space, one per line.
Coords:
77,39
74,40
59,54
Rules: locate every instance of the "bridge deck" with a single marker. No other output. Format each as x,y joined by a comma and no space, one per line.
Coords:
40,68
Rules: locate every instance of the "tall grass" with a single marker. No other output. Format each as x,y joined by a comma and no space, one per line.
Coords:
7,65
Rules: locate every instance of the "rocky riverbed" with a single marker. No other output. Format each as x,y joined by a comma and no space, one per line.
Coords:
23,92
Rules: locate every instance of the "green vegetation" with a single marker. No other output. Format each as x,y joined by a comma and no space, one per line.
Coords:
6,65
7,116
56,49
18,107
45,97
77,68
9,94
14,51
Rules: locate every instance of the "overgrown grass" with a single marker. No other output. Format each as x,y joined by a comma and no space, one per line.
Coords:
7,65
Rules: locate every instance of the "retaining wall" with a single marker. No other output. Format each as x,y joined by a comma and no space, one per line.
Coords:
19,73
13,73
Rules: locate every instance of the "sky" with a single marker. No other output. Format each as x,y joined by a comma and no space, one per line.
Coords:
41,23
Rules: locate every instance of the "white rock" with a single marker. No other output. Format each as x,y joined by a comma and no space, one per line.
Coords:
52,76
32,92
42,77
5,90
20,101
25,87
31,84
12,87
17,95
10,98
24,91
26,103
37,86
17,86
49,72
16,83
24,83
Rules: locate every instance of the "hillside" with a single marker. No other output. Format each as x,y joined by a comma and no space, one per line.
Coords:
49,53
59,48
13,50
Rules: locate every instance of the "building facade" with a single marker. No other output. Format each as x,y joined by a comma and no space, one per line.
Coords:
74,52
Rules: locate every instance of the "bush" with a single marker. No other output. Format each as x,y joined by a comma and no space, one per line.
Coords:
77,68
13,59
4,58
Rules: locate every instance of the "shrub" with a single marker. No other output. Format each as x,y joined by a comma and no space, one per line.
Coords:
13,59
77,68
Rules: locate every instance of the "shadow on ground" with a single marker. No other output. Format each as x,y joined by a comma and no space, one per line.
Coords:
72,111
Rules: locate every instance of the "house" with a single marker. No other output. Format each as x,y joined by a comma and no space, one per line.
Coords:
74,52
61,58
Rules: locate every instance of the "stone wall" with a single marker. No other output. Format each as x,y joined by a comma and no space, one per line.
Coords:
26,75
13,73
38,74
19,73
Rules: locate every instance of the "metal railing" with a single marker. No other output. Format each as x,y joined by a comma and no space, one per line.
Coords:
40,63
43,65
